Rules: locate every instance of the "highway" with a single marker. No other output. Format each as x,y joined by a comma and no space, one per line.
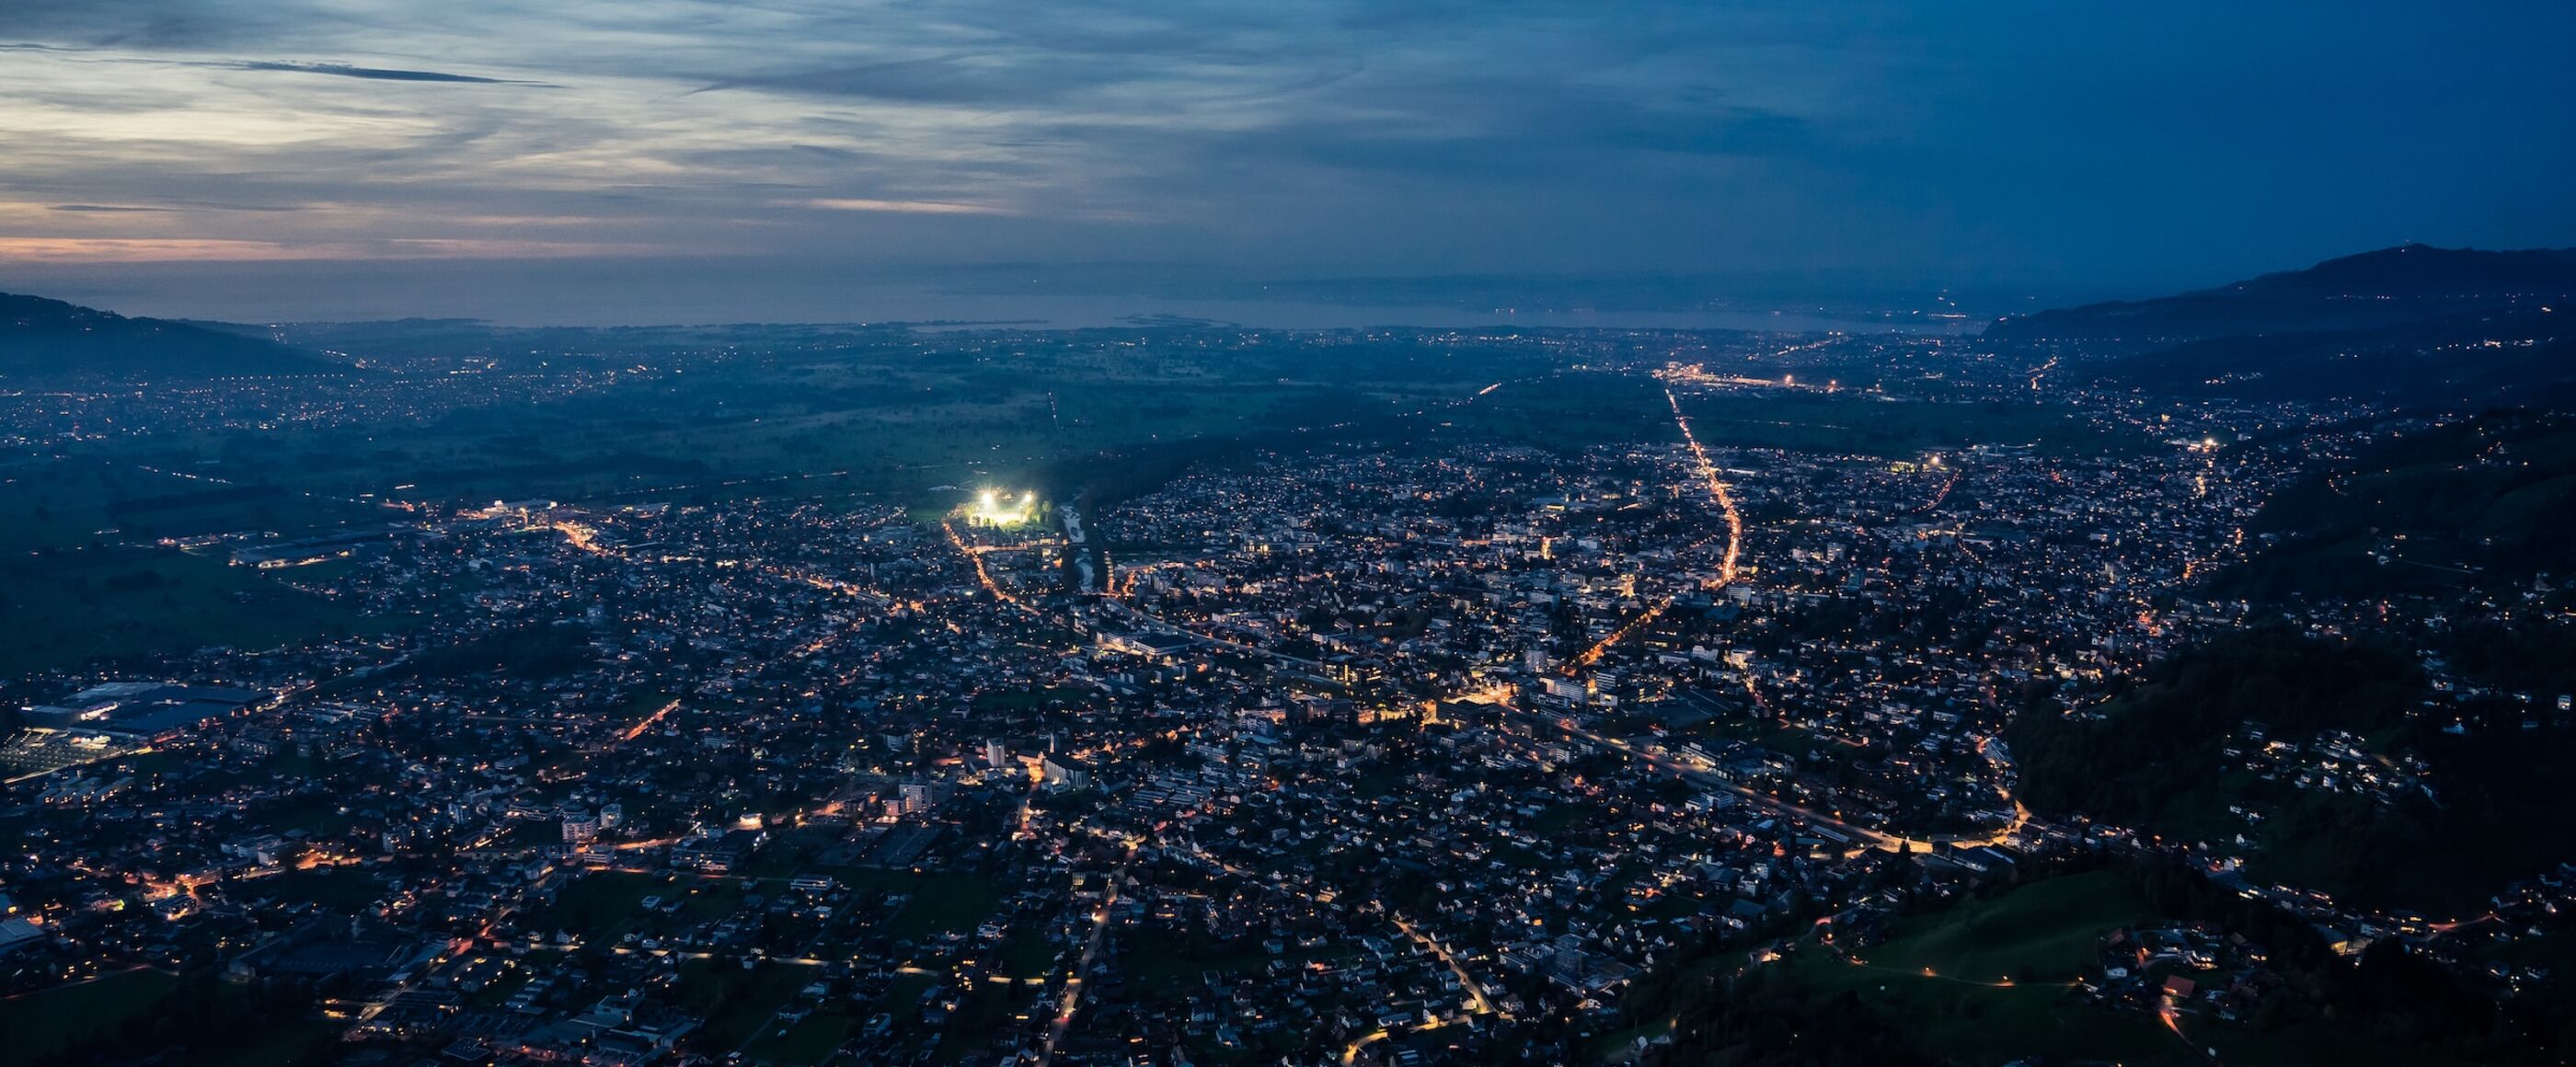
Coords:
1717,489
1726,568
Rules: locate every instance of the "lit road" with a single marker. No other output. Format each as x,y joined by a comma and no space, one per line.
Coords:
1717,489
2041,371
1028,800
647,723
1726,568
1475,990
1869,839
1351,1054
1081,968
1866,836
1478,1000
1701,776
983,576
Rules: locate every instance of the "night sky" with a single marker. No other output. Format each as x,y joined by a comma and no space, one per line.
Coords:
158,153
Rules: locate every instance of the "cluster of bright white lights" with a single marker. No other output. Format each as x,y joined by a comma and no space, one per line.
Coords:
992,508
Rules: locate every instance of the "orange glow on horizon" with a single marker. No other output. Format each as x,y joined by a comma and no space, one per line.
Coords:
221,250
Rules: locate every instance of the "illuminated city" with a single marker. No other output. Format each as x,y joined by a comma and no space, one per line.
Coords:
1323,535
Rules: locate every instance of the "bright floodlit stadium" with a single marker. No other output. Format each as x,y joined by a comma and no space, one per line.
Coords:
994,507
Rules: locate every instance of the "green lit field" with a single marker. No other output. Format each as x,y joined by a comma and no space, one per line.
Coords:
1987,981
2045,932
1998,987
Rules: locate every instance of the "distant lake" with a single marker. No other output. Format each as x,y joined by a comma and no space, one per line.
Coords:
1075,312
547,293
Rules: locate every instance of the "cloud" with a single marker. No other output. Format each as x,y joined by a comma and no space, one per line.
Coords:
694,113
139,250
909,207
24,250
383,73
138,24
934,80
107,54
1366,135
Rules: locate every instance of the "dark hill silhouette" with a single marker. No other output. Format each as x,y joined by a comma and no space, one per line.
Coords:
2483,503
2456,328
50,338
2523,355
2391,286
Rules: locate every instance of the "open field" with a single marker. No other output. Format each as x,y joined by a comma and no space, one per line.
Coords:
602,906
67,608
939,903
812,1039
38,1023
112,498
1893,429
1989,982
82,577
2045,932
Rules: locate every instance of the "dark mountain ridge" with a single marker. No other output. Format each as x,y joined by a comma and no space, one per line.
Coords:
51,338
2424,327
2522,354
2482,503
2405,284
